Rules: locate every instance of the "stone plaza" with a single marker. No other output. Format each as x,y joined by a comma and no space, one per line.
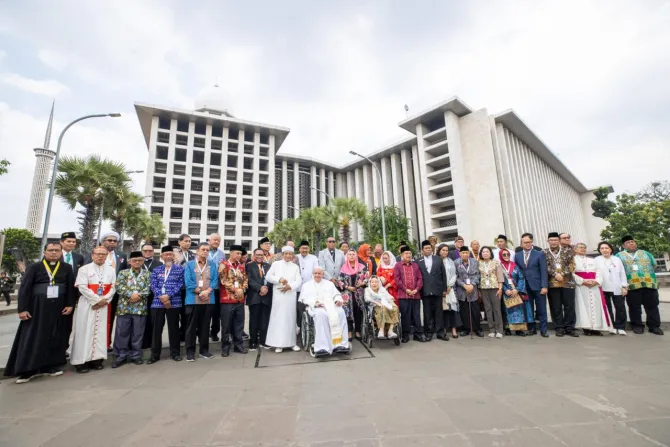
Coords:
605,391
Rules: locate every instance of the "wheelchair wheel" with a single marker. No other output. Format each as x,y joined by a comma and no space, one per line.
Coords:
398,332
304,331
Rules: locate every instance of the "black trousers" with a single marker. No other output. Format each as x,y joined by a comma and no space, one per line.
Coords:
232,324
158,317
198,326
8,299
299,309
410,314
465,308
110,329
259,319
433,317
358,317
183,318
649,299
562,308
148,326
618,320
216,315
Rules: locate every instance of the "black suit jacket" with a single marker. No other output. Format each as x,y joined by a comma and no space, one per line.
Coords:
435,282
255,284
121,261
151,266
77,262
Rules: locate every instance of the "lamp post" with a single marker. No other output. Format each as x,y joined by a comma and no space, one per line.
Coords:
381,192
52,188
322,192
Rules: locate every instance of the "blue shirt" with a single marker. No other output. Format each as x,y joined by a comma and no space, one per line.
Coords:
191,280
172,285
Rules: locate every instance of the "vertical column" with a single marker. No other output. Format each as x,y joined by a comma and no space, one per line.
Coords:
341,190
331,183
397,183
240,170
255,190
360,195
322,187
367,186
409,194
284,182
421,179
312,184
376,194
386,182
458,175
296,189
271,182
422,225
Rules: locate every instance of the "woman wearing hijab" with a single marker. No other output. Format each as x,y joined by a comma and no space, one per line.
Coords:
518,313
386,311
385,274
452,317
352,281
366,258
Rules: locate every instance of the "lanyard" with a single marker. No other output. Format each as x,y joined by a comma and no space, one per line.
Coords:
633,258
556,257
135,278
52,275
166,275
467,270
198,269
210,257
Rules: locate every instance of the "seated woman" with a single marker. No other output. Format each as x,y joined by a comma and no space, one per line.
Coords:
385,274
386,311
324,304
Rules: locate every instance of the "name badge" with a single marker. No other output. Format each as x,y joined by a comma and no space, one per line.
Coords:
135,292
163,290
201,283
636,268
100,291
558,266
236,285
467,281
52,291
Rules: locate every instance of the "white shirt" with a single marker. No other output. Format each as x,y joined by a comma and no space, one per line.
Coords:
614,274
429,263
307,264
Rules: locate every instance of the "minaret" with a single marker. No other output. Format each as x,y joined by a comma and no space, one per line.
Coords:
41,178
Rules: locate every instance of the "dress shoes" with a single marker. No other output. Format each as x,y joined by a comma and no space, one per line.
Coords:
176,358
405,339
545,334
137,361
240,350
118,362
479,333
656,331
225,352
152,360
464,333
428,337
533,332
560,333
638,330
443,337
215,338
420,338
507,332
520,333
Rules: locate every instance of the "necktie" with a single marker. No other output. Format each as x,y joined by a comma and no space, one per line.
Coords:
332,253
260,269
68,258
526,257
112,260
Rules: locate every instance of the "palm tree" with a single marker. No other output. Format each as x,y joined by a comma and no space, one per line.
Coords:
345,211
89,182
144,227
286,229
119,207
316,221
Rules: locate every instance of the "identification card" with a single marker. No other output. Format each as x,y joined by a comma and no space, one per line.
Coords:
201,283
52,291
100,290
163,291
636,268
467,281
558,266
135,292
236,285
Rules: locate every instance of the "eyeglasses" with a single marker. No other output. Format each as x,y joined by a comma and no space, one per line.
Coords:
151,249
110,241
331,242
505,256
53,250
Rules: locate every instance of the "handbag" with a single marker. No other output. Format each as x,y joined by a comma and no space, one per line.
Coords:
512,301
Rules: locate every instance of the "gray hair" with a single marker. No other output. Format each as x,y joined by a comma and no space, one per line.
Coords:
318,267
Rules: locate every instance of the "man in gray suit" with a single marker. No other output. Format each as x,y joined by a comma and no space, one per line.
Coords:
331,260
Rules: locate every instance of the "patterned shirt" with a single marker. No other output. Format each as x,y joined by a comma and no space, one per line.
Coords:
563,262
490,275
639,269
232,276
129,282
171,284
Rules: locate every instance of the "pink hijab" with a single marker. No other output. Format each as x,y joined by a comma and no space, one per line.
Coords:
349,269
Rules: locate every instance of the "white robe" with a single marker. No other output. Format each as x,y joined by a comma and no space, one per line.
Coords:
281,330
589,307
325,292
90,326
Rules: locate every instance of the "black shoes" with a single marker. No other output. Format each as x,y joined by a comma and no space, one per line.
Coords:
137,361
507,332
572,334
464,333
638,330
479,333
656,331
118,362
520,333
206,355
420,338
428,337
405,339
532,332
253,347
320,353
190,358
225,352
176,358
215,338
560,333
443,337
240,350
97,366
153,360
82,369
545,334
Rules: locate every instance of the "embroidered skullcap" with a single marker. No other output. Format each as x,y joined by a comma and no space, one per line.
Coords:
627,238
68,235
287,248
110,233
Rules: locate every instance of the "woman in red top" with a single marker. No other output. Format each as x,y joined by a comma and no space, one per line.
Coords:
385,274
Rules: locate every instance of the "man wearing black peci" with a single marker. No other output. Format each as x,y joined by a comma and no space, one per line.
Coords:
259,300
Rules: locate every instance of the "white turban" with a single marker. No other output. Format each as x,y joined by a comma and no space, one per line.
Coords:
288,248
110,233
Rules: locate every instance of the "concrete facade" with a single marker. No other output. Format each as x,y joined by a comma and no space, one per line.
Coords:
460,171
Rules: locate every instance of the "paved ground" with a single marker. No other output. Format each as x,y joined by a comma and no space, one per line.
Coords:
606,391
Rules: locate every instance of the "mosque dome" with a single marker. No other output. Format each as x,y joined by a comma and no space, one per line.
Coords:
211,100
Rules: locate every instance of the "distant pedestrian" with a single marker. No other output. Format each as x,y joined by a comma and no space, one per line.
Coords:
6,287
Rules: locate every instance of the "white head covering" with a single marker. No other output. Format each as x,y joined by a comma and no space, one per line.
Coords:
288,248
110,233
390,264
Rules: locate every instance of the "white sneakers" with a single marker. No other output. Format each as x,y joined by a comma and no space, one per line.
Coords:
278,350
296,348
392,334
495,335
381,333
499,335
620,332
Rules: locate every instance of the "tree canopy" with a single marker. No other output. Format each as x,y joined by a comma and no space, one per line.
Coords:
20,246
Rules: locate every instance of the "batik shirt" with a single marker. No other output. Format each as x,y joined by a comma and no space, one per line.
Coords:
129,282
171,284
639,269
562,262
490,275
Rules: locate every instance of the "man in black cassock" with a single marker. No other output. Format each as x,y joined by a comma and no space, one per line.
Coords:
45,300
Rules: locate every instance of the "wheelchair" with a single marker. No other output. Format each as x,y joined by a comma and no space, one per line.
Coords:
369,329
308,335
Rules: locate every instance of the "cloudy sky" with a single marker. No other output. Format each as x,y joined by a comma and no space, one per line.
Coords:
590,77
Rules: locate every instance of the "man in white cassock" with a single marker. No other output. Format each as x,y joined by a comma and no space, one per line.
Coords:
324,304
95,282
285,277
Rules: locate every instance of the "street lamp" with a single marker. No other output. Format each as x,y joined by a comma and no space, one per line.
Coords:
381,192
102,210
322,192
52,188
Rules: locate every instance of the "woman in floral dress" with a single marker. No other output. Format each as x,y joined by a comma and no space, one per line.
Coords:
352,281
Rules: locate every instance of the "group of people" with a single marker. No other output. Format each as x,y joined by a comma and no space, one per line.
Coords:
83,307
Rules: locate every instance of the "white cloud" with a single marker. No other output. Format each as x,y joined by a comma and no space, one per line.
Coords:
56,60
47,87
3,54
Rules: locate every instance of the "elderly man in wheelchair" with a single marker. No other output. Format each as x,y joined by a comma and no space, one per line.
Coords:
327,332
